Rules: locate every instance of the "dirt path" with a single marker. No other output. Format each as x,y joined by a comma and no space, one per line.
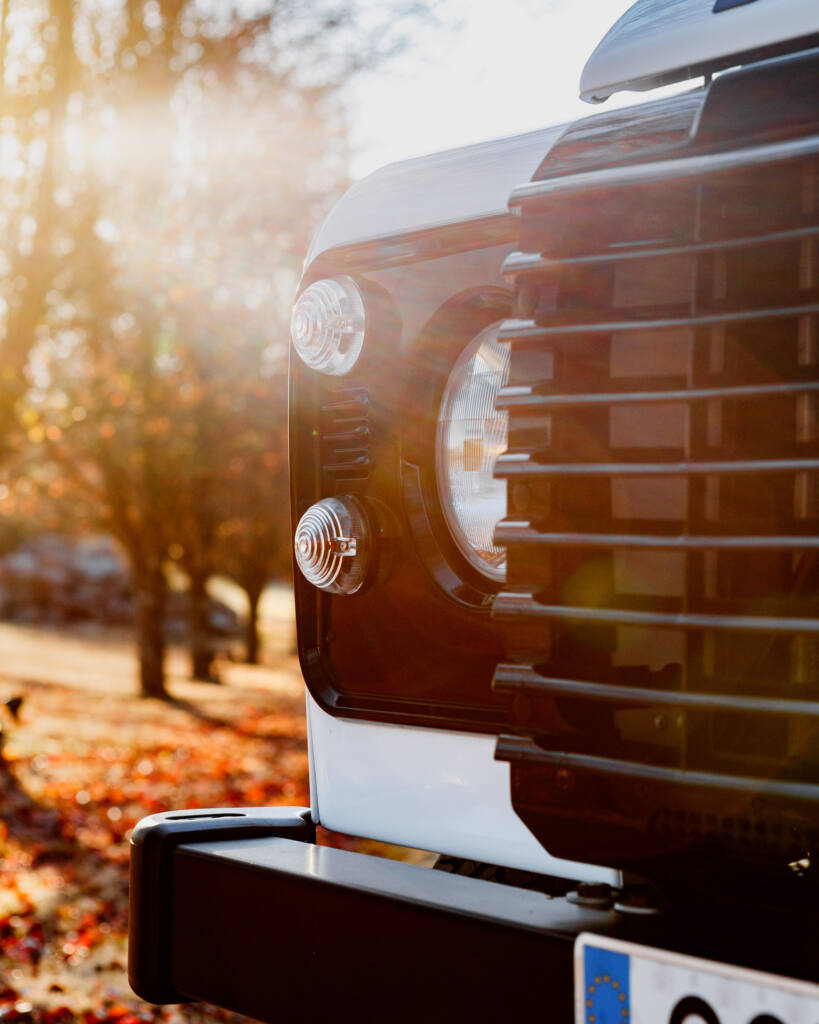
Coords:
101,659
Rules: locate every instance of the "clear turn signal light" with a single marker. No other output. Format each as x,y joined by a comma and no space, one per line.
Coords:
332,545
327,325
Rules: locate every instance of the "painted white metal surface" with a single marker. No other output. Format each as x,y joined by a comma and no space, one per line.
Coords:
428,788
657,41
453,187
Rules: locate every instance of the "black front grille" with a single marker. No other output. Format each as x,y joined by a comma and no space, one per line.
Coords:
662,601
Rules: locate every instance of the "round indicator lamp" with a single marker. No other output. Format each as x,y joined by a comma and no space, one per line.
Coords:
332,545
327,325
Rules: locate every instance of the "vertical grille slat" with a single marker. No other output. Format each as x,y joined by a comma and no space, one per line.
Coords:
662,600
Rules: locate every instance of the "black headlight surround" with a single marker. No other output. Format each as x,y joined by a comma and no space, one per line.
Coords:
417,646
450,331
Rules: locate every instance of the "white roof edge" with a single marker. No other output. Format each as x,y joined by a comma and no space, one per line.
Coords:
659,41
451,187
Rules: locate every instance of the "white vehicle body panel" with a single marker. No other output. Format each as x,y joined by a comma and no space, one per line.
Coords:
659,41
428,192
427,788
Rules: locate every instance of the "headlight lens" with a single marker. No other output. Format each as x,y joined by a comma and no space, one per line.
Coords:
327,325
471,435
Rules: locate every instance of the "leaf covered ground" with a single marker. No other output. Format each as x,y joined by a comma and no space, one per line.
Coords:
86,761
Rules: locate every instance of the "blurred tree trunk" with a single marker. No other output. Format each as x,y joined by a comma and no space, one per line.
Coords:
36,267
252,642
151,593
201,649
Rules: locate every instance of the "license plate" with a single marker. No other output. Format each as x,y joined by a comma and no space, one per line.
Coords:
623,983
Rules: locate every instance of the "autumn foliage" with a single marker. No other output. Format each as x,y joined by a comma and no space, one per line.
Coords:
84,764
86,761
164,164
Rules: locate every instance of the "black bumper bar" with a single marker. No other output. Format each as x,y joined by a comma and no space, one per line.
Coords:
241,909
233,911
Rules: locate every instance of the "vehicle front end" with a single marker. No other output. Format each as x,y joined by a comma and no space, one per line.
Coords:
554,461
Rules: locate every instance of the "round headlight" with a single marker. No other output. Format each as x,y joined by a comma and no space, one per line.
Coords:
471,435
327,325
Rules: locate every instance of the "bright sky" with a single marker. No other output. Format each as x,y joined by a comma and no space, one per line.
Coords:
512,66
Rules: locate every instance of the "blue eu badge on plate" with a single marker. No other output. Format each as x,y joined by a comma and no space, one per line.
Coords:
619,982
606,986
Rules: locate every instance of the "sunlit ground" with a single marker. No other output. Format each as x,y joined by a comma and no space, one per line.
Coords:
87,760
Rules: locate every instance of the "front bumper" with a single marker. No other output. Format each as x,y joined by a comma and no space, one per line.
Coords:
246,912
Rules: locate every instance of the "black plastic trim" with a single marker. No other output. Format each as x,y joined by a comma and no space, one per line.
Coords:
151,921
726,792
756,55
674,169
460,321
516,678
516,605
400,493
527,329
519,749
519,263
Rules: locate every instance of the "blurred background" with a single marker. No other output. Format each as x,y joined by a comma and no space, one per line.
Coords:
163,164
